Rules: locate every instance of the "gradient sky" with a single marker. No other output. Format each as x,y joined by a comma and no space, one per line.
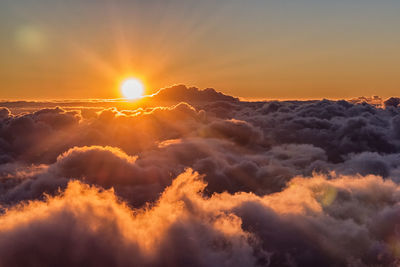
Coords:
52,49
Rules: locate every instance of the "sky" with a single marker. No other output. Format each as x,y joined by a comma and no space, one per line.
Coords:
286,49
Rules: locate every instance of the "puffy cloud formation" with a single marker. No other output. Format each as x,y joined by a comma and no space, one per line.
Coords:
313,222
165,96
181,93
4,113
291,183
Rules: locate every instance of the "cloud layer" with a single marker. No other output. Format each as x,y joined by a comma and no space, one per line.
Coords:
210,181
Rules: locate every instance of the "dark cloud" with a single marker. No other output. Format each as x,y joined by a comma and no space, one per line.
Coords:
392,102
4,113
181,93
240,132
280,183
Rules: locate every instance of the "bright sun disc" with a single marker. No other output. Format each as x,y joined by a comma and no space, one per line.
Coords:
132,88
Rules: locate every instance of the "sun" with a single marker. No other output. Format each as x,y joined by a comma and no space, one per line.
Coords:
132,88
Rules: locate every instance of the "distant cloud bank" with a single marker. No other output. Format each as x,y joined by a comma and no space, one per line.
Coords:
197,178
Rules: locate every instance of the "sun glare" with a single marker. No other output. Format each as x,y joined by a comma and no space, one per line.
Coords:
132,88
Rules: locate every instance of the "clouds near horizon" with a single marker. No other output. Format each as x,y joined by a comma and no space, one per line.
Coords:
217,182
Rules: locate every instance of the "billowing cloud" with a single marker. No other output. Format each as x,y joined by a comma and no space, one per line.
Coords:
313,222
181,93
290,183
4,113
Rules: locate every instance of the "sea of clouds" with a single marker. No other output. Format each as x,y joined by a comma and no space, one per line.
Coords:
207,180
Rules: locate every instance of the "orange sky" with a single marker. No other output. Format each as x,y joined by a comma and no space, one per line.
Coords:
256,49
